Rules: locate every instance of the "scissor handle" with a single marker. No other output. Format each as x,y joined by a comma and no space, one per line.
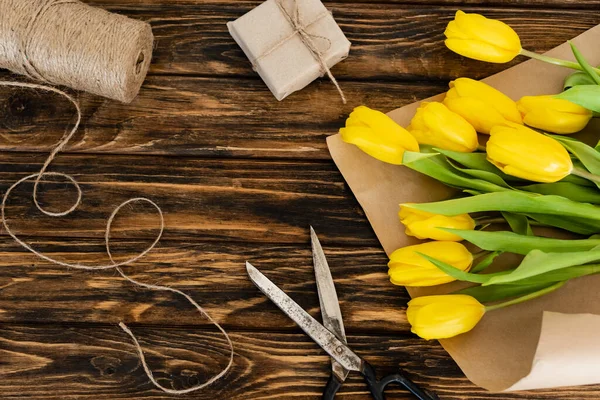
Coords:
333,386
377,387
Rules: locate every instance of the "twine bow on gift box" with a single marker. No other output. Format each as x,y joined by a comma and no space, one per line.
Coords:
300,29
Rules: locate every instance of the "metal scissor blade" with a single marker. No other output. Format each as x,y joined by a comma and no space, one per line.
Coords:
323,337
330,306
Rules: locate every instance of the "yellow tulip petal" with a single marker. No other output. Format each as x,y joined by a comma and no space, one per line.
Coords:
453,253
479,50
476,112
443,316
525,153
553,115
374,145
438,126
378,135
453,31
490,31
492,97
402,277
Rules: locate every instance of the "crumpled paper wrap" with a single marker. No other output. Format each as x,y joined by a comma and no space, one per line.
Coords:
278,54
548,342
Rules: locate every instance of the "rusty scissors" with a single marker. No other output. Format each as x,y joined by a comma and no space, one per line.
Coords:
331,335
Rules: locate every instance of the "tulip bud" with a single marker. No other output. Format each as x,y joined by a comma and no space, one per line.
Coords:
378,135
522,152
434,124
553,115
443,316
408,268
480,38
425,225
481,105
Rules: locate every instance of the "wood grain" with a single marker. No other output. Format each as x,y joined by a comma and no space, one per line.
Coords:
390,41
240,177
35,291
60,362
573,4
202,199
203,117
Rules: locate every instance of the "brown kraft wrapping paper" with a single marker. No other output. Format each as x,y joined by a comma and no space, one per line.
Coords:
548,342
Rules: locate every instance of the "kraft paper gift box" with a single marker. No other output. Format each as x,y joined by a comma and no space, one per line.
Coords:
281,52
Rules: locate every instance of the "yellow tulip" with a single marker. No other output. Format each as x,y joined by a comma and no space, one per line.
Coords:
443,316
434,124
481,105
553,115
480,38
408,268
425,225
378,135
522,152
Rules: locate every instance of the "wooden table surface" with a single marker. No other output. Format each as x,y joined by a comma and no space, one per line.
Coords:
240,177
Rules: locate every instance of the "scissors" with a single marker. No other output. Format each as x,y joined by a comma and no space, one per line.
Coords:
331,335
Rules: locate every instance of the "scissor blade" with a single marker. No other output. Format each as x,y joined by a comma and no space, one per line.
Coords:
330,306
323,337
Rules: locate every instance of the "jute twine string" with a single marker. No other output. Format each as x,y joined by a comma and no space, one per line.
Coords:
67,42
300,28
114,265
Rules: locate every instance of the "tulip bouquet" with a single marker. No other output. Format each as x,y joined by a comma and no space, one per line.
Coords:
513,165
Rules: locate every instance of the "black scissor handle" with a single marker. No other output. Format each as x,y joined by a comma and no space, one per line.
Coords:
377,387
333,386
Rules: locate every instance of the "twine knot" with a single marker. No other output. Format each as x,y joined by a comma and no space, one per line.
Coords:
300,28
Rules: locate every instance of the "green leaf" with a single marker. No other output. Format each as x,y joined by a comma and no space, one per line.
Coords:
485,294
499,292
582,194
587,96
484,175
461,275
538,262
572,224
477,161
589,157
520,244
436,166
561,275
578,78
518,223
584,64
485,262
517,202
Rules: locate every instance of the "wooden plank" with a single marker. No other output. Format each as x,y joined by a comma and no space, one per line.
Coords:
390,41
202,199
575,4
59,362
198,117
36,291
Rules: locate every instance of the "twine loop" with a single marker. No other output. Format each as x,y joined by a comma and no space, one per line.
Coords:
37,177
300,28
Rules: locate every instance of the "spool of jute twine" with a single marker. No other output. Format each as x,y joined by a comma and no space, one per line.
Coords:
69,43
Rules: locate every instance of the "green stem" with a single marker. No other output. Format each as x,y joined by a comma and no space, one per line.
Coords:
480,254
488,221
586,175
529,296
555,61
481,148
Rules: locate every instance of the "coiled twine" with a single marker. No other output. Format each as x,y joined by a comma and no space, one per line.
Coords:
69,43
